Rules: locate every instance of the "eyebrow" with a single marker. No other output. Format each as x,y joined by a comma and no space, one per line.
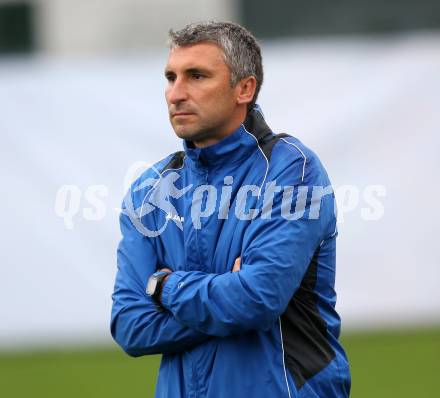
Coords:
193,70
188,71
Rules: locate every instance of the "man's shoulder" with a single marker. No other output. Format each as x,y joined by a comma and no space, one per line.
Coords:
291,147
290,153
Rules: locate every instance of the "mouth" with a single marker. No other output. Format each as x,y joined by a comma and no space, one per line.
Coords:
182,114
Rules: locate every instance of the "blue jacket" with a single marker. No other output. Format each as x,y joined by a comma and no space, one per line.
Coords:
269,330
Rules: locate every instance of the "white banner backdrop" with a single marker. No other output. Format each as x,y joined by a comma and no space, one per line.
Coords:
368,107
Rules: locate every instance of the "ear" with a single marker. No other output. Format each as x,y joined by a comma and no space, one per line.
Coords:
246,90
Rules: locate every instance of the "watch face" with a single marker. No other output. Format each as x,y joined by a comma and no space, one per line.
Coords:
151,285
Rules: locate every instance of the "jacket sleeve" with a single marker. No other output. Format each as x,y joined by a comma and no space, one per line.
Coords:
136,324
276,253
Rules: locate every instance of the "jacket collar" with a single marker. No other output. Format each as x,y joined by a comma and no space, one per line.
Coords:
236,147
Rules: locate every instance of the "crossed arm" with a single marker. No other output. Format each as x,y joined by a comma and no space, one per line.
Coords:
275,256
136,324
201,305
235,268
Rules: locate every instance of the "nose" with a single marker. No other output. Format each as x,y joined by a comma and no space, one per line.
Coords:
176,92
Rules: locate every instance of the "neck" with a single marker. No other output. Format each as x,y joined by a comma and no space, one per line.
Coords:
233,124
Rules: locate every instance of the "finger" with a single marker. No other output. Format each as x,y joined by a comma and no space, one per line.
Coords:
237,265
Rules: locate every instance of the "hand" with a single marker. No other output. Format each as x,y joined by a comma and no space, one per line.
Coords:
237,265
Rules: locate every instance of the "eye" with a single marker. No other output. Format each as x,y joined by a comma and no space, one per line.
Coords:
197,76
171,77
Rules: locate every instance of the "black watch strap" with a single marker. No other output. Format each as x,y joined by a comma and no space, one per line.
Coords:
158,291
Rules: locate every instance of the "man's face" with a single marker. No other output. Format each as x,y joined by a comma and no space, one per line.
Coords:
202,105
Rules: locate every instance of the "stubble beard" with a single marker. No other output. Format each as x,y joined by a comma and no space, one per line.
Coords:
195,132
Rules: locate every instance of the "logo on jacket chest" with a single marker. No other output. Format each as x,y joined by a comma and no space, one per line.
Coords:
175,217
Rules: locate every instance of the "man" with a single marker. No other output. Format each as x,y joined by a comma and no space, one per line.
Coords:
238,198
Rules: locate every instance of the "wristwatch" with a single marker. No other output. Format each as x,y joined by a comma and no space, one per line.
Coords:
155,284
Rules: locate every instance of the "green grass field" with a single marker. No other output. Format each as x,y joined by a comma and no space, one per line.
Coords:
384,364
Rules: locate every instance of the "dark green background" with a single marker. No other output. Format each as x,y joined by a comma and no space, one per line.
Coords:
384,364
267,19
17,34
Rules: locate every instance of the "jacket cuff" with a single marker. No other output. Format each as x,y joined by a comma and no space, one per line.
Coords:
169,287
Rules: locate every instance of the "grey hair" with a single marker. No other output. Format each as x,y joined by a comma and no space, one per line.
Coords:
241,51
